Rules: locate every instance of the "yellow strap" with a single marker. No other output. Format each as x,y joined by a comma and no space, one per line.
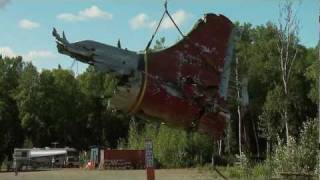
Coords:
136,105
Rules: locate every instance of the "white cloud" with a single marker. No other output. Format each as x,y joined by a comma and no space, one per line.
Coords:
90,13
179,18
142,21
28,24
39,54
6,51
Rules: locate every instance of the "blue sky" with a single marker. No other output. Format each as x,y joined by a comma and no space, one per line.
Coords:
26,25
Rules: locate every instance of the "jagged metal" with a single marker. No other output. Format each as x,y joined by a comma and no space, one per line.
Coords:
123,63
185,85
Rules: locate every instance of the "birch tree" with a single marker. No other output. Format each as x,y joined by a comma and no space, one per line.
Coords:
288,30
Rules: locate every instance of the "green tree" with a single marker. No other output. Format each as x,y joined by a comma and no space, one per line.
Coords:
312,73
27,98
159,44
288,31
11,134
102,124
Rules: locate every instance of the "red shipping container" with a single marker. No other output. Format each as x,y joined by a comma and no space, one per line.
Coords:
129,158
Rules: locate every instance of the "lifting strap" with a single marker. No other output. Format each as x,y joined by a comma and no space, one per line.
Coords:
155,32
136,106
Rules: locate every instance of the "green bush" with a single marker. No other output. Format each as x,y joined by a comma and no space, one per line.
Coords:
260,170
242,169
309,139
298,156
236,172
287,156
172,147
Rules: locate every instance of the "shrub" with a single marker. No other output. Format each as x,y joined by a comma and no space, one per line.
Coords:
260,170
241,169
172,147
295,156
309,145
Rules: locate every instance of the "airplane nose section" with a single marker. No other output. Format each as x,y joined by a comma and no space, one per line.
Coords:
61,48
102,56
75,52
72,49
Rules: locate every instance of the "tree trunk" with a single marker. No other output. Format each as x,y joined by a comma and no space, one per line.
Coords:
287,125
239,119
220,147
238,104
285,117
213,152
288,48
228,146
255,137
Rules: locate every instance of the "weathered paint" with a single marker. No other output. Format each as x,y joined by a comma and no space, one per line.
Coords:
187,82
135,157
184,85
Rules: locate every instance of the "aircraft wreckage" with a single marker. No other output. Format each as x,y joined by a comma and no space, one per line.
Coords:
184,85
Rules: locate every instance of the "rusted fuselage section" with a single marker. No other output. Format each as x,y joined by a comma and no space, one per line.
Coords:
184,85
187,83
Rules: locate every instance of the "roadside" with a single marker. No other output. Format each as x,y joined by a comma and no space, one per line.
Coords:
80,174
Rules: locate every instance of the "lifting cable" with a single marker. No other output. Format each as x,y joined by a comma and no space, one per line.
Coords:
183,36
162,17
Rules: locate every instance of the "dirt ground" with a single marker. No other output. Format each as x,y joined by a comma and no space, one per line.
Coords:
81,174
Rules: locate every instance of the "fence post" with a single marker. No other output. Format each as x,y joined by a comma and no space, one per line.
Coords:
149,160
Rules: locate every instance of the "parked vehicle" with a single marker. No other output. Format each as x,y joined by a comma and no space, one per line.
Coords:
27,159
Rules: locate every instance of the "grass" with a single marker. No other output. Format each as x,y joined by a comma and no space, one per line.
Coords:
80,174
200,173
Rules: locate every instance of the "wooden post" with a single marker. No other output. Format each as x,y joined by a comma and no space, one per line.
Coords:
101,164
149,160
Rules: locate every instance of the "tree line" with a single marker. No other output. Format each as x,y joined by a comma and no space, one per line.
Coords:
41,107
38,108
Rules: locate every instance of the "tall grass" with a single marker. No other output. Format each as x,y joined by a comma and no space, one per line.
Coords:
173,148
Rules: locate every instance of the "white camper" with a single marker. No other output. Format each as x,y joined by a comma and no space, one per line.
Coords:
45,157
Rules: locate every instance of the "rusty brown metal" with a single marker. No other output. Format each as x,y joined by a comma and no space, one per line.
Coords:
134,158
184,85
183,81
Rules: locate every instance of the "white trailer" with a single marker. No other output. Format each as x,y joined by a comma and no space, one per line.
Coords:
45,157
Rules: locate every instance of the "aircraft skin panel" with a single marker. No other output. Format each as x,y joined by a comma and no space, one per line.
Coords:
184,85
195,67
